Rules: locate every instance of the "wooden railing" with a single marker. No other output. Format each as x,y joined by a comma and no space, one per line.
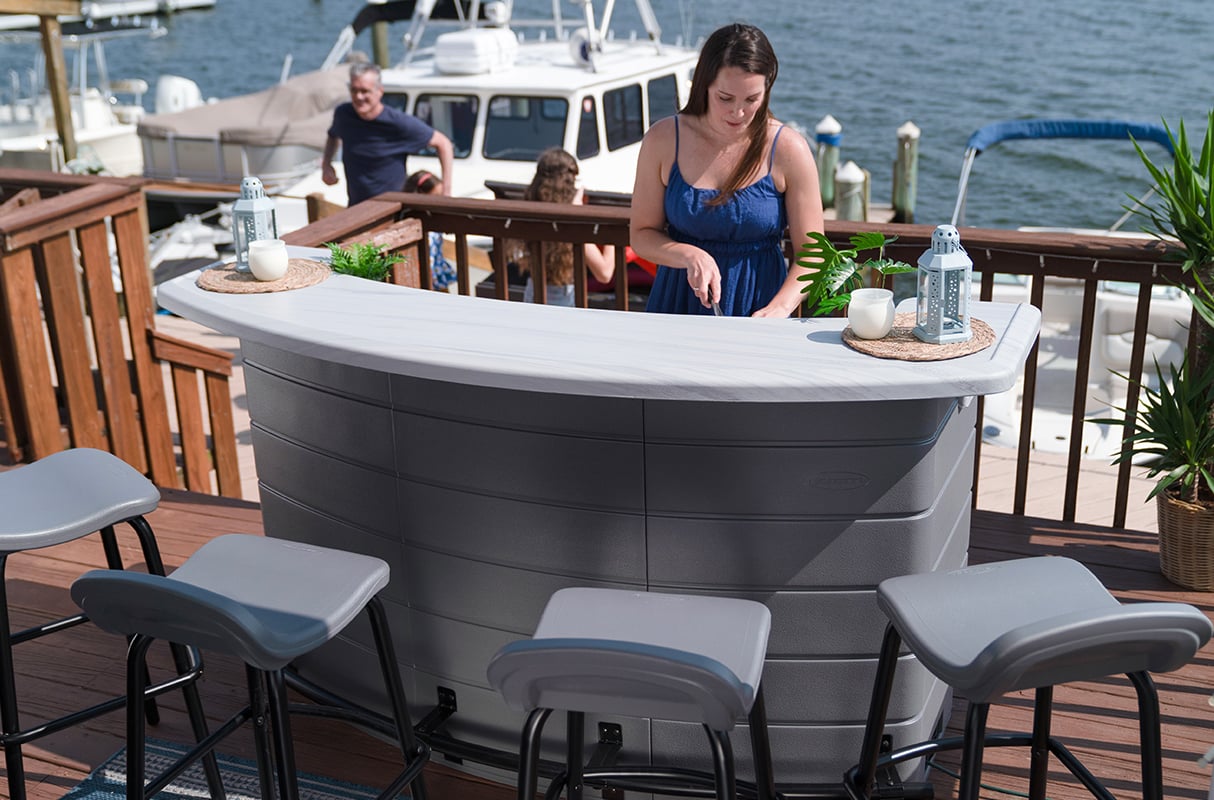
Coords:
81,362
1040,258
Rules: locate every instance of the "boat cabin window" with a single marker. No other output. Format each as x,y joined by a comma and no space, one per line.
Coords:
663,98
623,116
397,100
453,115
520,128
588,130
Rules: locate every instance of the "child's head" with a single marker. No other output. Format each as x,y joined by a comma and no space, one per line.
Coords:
423,182
555,178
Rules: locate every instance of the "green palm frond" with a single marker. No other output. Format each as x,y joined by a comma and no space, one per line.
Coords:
833,273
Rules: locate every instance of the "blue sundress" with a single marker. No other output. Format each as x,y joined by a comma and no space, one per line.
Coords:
743,235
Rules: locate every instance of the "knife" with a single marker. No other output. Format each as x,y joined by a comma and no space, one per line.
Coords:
716,309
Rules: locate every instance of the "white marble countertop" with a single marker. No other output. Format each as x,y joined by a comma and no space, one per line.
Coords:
493,343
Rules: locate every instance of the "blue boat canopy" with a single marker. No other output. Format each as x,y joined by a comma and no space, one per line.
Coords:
996,132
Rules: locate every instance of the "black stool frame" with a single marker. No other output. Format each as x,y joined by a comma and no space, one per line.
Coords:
270,712
185,660
860,781
661,780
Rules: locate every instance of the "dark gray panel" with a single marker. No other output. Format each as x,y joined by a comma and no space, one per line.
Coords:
562,470
837,691
283,518
813,553
354,429
455,650
482,593
338,378
896,422
588,544
765,481
541,412
351,494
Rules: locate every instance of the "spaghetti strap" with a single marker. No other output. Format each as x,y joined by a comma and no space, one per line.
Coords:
676,138
771,159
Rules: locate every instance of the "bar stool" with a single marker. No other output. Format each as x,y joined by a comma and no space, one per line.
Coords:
265,601
688,658
52,501
1026,624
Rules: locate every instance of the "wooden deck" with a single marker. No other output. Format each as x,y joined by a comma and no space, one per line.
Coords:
84,665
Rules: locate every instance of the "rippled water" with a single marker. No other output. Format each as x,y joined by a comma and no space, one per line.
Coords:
950,66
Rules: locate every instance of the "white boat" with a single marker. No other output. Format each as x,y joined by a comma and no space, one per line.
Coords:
106,9
105,111
1062,309
503,89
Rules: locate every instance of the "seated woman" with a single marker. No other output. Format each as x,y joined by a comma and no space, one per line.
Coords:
555,181
442,271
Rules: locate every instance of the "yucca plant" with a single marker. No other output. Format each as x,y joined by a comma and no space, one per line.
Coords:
835,273
1173,430
1184,211
361,260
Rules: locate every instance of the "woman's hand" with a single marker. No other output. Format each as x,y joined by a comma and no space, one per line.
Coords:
704,277
779,307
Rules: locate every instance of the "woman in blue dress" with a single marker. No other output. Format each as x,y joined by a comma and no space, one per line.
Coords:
717,184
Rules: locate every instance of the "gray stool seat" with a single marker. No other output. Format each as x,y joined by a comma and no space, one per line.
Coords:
997,628
68,495
1031,623
263,600
688,658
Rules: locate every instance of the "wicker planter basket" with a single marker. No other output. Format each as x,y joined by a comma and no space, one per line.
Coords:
1186,543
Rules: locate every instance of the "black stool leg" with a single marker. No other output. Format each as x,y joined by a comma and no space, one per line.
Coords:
1039,760
396,692
1148,733
575,747
760,745
529,753
865,773
260,711
280,730
972,747
10,720
113,560
722,764
136,683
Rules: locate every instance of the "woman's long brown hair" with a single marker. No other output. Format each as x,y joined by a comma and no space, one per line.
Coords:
555,181
745,47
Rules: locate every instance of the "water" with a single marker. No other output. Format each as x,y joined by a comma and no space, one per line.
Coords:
950,66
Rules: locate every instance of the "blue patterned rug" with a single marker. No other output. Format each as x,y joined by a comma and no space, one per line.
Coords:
108,782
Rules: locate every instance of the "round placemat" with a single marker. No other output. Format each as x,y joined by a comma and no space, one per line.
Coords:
902,344
301,272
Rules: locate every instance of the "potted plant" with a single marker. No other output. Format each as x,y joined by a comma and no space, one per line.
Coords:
362,260
835,273
1174,428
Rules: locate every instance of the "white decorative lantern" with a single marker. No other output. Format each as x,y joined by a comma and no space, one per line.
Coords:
253,219
942,313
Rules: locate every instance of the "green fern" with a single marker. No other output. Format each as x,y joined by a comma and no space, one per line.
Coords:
362,260
834,273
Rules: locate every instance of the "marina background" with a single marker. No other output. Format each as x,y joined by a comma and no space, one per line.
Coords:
950,66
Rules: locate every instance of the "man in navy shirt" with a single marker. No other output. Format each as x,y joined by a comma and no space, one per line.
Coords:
376,139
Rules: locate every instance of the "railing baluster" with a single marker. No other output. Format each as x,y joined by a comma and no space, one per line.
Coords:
1079,399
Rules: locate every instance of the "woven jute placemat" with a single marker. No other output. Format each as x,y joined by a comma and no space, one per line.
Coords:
902,344
301,272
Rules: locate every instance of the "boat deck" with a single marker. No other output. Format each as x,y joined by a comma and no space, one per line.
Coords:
84,665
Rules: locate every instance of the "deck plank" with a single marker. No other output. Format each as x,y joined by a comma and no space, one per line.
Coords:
1097,719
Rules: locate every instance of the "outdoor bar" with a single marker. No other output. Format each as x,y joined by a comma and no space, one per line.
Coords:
494,452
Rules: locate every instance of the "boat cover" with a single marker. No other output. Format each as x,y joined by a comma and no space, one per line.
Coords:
996,132
295,112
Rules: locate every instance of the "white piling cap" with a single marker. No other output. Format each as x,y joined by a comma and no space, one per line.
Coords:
828,125
908,130
849,173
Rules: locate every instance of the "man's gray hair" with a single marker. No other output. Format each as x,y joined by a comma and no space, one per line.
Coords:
364,68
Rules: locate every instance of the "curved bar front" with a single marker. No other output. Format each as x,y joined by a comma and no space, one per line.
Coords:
495,452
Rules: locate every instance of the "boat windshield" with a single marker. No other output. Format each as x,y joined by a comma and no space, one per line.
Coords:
452,114
519,127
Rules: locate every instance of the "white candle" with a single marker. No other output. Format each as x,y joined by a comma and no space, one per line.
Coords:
268,259
870,313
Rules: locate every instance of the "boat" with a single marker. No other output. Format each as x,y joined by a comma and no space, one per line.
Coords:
1062,309
105,111
502,88
105,9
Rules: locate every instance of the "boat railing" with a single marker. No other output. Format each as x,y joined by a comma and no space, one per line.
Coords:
1038,262
81,361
